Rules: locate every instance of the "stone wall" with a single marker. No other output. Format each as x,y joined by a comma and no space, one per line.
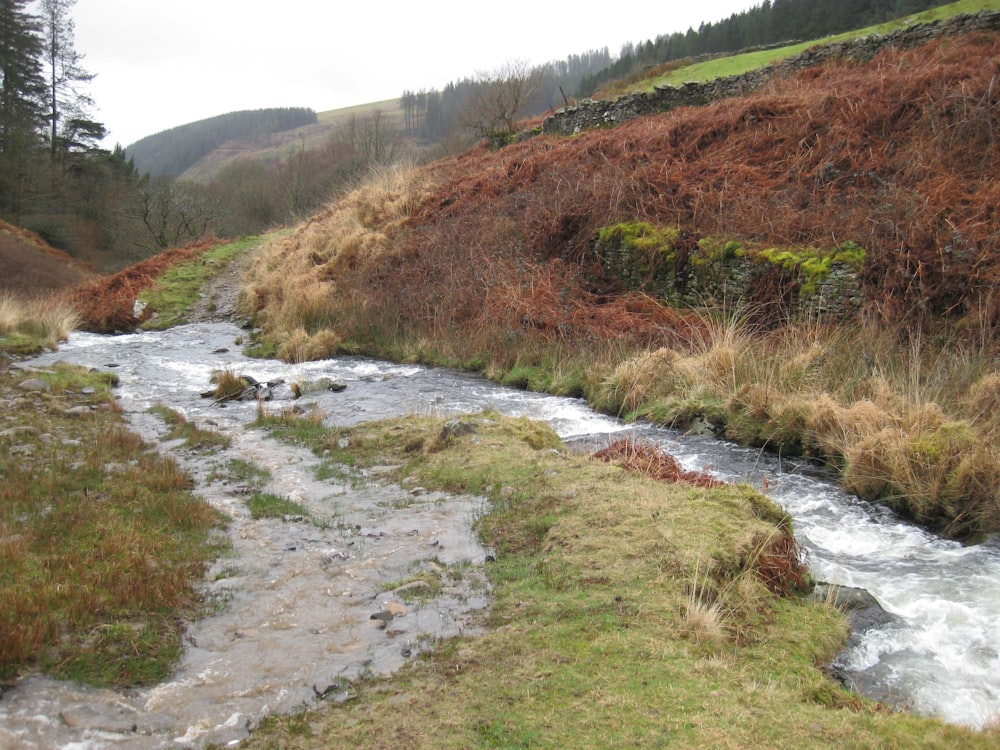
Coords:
596,114
726,275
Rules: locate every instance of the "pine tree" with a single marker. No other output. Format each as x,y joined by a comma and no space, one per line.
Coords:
68,106
22,85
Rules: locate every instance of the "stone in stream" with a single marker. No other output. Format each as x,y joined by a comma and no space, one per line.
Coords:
863,613
312,386
114,719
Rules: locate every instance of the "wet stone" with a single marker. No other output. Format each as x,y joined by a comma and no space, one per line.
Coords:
116,719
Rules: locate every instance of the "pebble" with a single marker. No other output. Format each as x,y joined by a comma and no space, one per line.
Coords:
35,384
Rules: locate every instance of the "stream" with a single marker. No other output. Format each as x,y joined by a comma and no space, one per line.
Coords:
295,601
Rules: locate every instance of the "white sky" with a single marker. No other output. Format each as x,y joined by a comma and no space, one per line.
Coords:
163,63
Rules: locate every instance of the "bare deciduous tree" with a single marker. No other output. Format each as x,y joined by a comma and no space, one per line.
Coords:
175,213
373,136
499,100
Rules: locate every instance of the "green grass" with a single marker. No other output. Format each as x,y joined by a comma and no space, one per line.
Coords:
194,437
269,505
245,473
737,64
101,542
627,613
177,289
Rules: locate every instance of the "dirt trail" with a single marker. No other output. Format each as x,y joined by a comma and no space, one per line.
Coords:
219,299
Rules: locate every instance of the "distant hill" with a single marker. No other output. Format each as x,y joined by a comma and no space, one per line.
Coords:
277,145
171,152
29,265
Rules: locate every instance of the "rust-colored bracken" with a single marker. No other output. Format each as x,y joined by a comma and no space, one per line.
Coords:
106,305
650,461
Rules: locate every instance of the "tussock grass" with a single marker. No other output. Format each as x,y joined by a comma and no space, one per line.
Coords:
627,610
101,542
910,425
228,383
29,325
293,289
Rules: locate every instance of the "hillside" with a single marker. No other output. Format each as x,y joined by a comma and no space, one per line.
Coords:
172,151
547,264
897,155
30,266
206,147
832,234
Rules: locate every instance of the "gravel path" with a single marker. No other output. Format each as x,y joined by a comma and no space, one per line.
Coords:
219,299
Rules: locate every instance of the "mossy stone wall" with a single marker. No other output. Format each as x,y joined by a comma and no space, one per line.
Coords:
808,285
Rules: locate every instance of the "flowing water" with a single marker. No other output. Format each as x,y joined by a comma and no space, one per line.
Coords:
296,599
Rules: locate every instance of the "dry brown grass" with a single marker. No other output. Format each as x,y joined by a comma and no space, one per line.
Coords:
296,289
30,266
487,259
45,320
649,461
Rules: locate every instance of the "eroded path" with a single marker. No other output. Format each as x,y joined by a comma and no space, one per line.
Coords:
305,604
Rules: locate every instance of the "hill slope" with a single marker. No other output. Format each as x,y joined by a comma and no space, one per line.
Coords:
172,151
29,265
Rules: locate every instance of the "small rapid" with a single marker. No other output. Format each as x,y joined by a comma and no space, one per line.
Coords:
295,601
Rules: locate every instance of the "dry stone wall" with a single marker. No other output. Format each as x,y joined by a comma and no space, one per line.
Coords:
711,275
601,114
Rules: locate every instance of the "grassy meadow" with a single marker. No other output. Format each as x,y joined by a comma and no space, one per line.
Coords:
629,611
680,72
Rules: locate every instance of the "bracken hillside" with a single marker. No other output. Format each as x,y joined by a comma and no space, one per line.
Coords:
488,261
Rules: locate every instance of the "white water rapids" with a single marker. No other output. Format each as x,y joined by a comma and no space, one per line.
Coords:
296,598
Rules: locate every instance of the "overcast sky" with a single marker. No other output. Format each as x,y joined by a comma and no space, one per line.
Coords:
163,63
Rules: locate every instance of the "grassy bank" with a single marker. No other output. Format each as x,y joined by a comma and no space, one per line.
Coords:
101,541
166,284
628,611
679,72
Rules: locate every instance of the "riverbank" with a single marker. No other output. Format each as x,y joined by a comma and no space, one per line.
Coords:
627,611
617,600
101,542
